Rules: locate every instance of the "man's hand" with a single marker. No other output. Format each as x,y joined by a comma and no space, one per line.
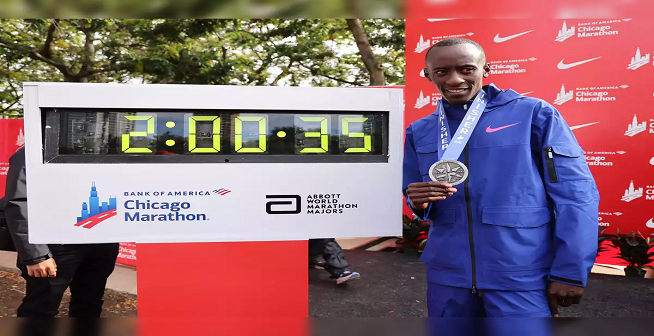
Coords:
564,295
43,269
422,193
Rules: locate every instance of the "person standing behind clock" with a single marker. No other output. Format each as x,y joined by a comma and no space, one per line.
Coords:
49,269
518,236
333,261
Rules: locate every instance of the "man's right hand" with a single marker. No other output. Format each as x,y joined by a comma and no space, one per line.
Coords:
43,269
422,193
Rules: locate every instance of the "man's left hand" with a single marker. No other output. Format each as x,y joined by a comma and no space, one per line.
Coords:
564,295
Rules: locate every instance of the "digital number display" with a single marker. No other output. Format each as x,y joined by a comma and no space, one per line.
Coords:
83,135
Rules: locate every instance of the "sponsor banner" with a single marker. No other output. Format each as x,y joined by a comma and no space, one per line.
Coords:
508,10
127,254
595,72
12,137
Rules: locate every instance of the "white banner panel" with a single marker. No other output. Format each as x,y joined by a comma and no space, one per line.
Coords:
187,163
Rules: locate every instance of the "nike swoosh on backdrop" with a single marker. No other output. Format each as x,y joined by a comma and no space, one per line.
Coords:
564,66
499,39
491,130
584,125
652,161
650,223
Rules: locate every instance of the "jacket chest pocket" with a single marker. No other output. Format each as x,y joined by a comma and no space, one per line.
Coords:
566,163
427,156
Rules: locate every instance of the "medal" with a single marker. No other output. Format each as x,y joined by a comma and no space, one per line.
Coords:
448,169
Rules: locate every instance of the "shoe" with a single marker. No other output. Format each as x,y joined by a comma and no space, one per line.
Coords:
347,276
317,264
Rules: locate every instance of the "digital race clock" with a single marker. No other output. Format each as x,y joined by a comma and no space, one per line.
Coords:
205,163
138,135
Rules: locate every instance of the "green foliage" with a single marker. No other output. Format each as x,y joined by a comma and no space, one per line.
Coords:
192,51
202,8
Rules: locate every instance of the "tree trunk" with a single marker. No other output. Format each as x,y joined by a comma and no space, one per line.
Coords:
373,66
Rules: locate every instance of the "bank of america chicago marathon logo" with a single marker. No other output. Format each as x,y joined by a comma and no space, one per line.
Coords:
588,94
604,159
588,29
511,66
633,193
605,218
424,44
95,212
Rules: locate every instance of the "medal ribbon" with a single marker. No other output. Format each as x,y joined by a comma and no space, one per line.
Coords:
451,148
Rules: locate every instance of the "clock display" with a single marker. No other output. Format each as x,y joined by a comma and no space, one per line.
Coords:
115,136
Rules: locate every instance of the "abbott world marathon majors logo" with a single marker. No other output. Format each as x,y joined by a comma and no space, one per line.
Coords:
604,159
313,204
605,218
589,29
632,193
145,206
588,94
424,44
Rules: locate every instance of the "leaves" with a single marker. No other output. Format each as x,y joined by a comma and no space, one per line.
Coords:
193,51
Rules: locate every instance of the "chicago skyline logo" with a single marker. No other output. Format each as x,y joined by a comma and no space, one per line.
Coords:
95,213
635,127
20,140
632,193
564,96
422,101
565,33
422,45
638,60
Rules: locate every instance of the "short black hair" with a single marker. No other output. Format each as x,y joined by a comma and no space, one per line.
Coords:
456,41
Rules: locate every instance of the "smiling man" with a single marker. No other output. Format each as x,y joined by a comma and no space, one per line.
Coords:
513,205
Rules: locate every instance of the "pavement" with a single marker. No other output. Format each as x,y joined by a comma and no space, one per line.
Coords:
391,285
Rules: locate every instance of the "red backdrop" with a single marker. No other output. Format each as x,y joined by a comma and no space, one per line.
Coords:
597,73
11,138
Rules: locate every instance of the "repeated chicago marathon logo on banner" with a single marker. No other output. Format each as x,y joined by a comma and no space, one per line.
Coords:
596,73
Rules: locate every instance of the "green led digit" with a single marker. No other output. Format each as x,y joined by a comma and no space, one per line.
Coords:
150,130
367,142
323,135
238,135
192,136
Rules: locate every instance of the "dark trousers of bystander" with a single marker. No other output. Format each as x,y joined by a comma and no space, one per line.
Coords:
84,268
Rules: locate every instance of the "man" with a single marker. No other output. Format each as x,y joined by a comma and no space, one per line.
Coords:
50,269
518,236
334,259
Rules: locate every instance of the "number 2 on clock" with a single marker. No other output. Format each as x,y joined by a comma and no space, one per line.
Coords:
149,130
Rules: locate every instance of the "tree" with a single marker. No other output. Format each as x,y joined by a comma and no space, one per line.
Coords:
199,51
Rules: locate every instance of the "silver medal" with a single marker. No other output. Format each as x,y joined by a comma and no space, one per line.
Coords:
448,171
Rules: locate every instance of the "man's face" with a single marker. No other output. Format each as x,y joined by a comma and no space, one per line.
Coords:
457,71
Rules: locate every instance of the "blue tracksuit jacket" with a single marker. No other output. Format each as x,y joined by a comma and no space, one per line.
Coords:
527,213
